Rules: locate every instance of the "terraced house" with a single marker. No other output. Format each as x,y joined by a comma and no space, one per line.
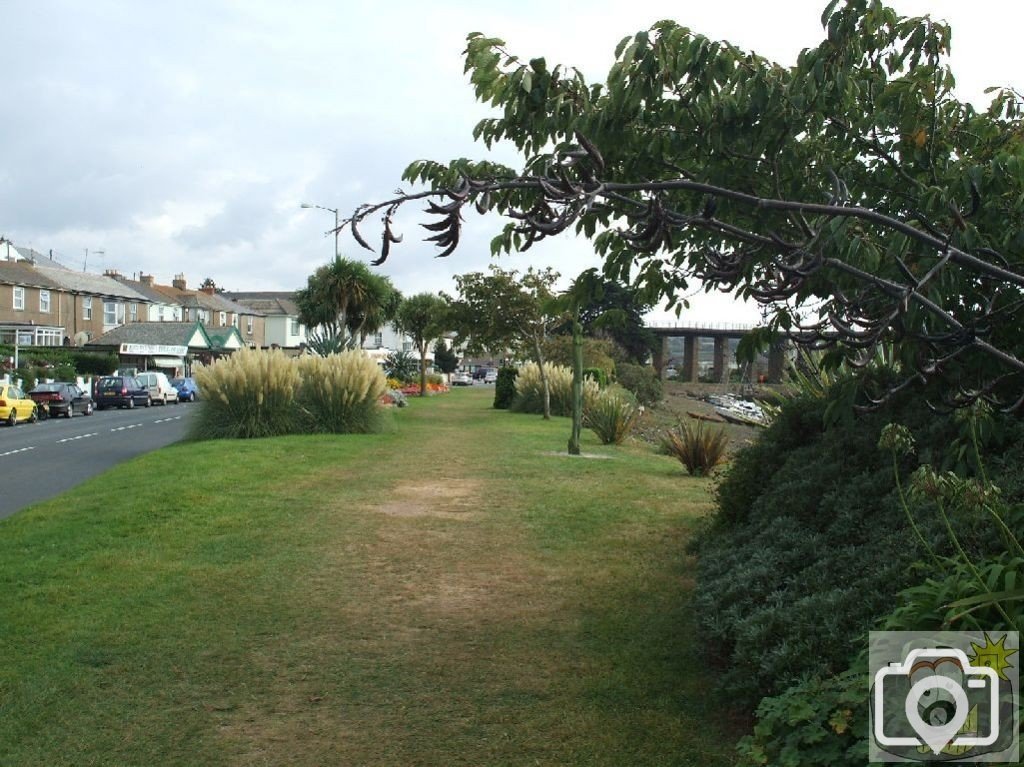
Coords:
47,304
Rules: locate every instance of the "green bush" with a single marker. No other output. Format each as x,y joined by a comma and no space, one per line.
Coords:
434,378
596,374
94,363
530,394
505,388
613,416
27,378
642,380
64,373
815,723
810,545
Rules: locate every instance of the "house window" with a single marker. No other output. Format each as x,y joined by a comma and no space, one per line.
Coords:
295,327
44,301
223,318
113,313
160,313
378,340
87,308
248,325
19,299
234,319
135,312
46,337
203,315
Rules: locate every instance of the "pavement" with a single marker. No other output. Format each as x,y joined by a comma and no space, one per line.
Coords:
41,460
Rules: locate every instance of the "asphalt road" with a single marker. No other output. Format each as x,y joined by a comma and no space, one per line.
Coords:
41,460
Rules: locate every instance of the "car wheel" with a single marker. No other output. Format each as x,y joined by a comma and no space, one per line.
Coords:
149,401
71,410
131,403
192,397
12,419
88,408
33,416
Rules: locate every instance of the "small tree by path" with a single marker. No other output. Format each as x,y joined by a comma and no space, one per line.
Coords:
506,310
422,317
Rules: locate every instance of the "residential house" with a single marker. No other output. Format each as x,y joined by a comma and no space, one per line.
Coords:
281,316
51,305
162,308
215,310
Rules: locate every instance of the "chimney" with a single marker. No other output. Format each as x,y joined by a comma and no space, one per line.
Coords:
209,290
111,273
179,282
146,279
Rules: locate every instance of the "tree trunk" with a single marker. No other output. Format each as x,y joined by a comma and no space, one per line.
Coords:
577,385
545,389
423,370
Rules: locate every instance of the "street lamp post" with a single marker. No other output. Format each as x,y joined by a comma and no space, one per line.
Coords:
336,222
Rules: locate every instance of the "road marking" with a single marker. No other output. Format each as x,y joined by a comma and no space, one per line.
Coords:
80,436
165,420
20,450
131,426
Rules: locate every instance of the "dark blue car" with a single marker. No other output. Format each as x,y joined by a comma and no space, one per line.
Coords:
187,389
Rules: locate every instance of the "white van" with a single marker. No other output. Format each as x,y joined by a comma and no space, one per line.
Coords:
160,389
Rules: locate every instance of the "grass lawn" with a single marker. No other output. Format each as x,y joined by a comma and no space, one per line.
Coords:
448,593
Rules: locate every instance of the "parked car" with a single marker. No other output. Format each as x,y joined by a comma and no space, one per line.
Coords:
54,399
491,376
15,406
120,391
480,374
159,387
186,388
462,379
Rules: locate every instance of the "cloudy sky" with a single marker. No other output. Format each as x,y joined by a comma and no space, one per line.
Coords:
183,137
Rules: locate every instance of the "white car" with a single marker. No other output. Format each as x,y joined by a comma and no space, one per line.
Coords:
159,387
491,376
462,379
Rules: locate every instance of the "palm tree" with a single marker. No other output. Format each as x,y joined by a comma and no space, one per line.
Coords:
342,303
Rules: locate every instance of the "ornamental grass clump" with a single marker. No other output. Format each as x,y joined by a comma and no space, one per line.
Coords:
266,394
530,392
698,450
249,394
340,393
612,416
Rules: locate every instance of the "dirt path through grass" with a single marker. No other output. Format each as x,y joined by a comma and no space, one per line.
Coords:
446,594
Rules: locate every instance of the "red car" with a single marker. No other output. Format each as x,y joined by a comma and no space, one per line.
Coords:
66,399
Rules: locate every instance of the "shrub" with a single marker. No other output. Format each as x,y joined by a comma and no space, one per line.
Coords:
94,363
339,394
530,394
815,723
612,416
27,378
64,373
596,374
505,388
698,450
435,380
642,380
